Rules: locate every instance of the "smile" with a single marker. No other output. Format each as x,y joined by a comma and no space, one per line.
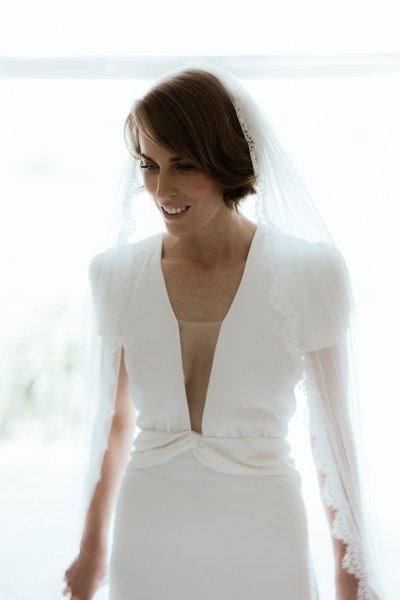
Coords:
174,210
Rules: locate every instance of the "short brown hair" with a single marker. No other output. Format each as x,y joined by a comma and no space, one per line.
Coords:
192,115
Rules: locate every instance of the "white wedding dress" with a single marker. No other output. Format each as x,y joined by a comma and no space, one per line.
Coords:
217,515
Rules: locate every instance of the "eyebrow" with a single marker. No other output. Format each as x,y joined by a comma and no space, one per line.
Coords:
173,159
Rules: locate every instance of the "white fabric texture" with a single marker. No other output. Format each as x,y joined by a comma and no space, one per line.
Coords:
297,328
201,533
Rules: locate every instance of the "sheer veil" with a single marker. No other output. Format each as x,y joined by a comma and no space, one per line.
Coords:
312,292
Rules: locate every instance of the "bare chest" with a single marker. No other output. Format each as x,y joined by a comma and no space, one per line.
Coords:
201,295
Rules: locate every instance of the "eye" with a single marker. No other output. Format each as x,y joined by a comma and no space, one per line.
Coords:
148,167
187,167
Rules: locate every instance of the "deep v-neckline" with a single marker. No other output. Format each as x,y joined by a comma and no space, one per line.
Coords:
223,324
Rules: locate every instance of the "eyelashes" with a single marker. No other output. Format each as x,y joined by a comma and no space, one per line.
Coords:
186,168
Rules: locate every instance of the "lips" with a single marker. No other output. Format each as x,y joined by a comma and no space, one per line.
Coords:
176,212
173,210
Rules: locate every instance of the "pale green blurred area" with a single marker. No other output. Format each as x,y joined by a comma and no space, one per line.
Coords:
61,153
42,373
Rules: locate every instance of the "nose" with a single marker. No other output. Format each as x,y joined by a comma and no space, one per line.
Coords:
166,186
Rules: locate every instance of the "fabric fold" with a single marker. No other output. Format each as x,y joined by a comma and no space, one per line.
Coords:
263,456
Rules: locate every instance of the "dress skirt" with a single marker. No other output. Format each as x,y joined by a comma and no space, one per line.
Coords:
184,531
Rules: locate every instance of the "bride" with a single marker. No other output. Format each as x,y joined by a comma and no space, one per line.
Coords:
206,330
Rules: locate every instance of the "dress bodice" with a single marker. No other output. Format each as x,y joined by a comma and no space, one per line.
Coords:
251,385
250,396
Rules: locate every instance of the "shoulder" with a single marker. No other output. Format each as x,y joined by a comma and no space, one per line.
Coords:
325,274
324,289
314,279
314,260
323,267
111,275
119,259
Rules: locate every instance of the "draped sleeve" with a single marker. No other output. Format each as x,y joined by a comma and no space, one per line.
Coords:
109,276
105,286
326,297
311,289
326,337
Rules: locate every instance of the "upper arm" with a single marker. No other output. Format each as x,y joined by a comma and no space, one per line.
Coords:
326,299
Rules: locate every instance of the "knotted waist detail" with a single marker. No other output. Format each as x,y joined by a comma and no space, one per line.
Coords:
261,456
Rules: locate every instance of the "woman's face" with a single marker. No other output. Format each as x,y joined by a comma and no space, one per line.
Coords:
187,198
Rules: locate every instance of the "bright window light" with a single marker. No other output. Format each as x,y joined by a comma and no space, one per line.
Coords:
61,152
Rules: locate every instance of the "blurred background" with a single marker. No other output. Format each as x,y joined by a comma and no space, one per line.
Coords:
328,77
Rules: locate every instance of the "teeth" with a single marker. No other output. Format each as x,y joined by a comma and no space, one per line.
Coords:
175,211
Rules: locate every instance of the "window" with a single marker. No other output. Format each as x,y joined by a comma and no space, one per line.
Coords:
62,150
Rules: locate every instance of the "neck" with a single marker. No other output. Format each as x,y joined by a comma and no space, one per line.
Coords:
219,241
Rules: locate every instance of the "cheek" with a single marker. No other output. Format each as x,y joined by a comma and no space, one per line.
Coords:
204,185
150,183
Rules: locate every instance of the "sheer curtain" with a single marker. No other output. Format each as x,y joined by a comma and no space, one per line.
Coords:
64,94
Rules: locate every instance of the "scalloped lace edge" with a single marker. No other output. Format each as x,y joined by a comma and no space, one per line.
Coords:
351,561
